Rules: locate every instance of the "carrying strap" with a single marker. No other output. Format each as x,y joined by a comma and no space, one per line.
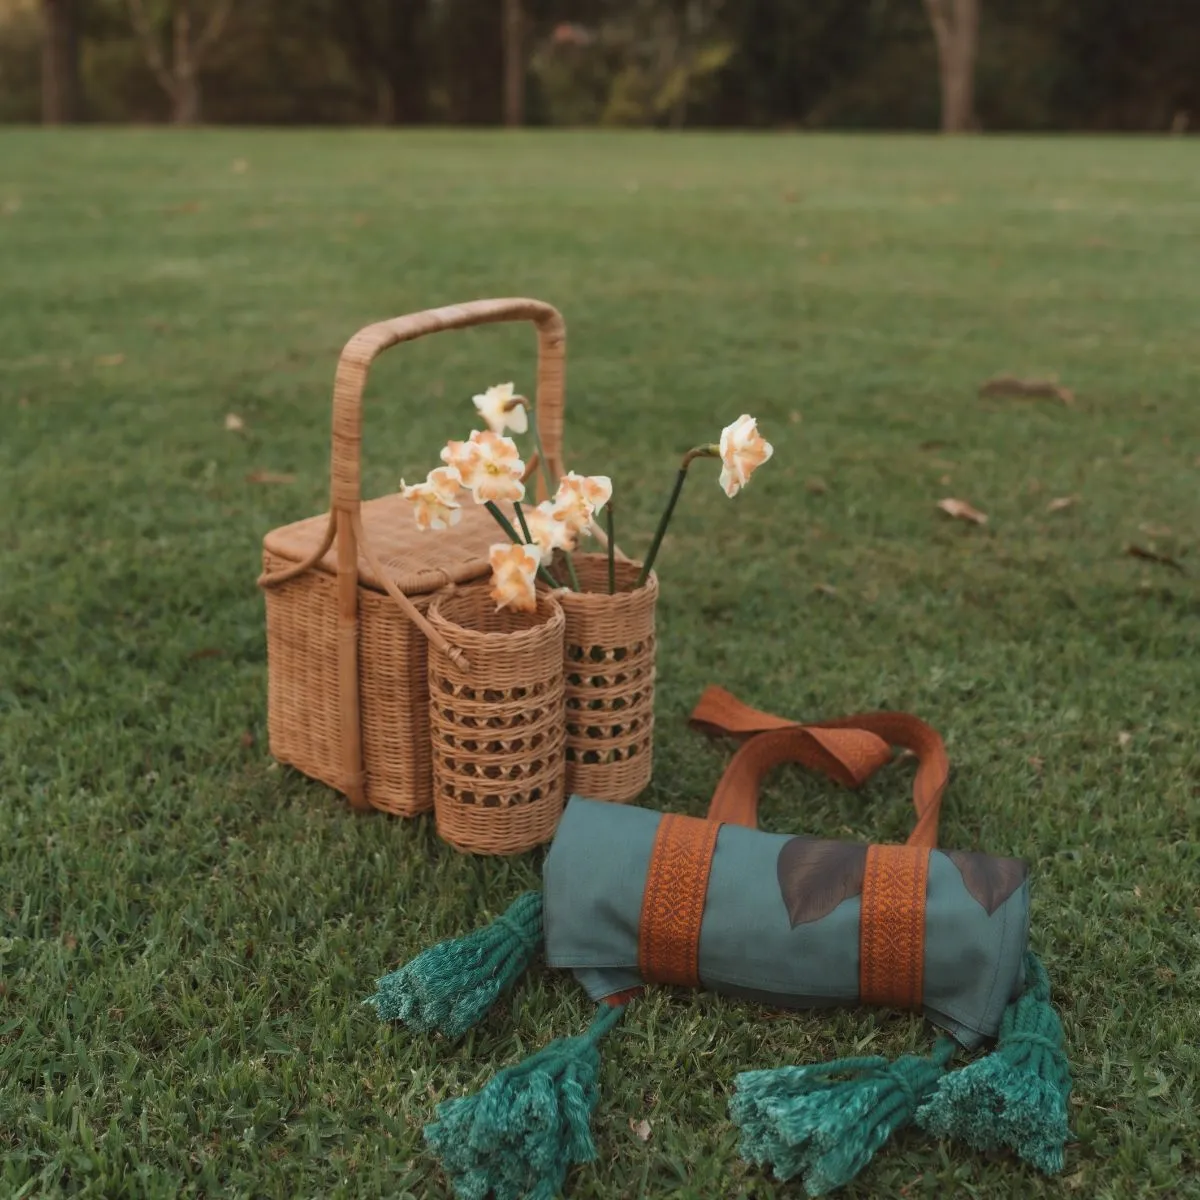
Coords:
848,750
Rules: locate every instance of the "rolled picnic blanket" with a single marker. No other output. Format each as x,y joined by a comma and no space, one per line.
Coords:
632,897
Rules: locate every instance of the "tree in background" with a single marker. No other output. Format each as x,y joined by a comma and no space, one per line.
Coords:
514,63
388,42
190,40
61,94
956,31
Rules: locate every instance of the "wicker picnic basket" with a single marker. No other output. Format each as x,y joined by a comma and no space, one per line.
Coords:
347,592
497,727
610,651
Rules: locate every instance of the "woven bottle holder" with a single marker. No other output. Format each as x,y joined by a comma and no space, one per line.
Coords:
609,652
497,728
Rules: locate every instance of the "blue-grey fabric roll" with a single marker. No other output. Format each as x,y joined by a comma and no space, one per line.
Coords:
766,934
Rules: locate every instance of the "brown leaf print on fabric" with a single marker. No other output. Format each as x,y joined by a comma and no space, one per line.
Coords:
990,880
816,876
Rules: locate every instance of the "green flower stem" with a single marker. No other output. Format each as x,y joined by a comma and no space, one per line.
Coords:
523,522
571,571
612,565
503,521
709,451
543,466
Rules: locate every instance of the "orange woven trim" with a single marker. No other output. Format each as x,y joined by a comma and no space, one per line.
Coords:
892,928
673,902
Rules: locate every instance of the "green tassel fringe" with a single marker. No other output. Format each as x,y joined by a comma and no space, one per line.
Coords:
451,986
805,1120
1016,1097
528,1125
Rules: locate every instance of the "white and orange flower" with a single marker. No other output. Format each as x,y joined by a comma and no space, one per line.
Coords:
594,490
489,466
435,501
502,410
552,528
743,451
514,572
580,497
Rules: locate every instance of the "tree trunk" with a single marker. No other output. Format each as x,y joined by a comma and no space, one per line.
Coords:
514,64
60,62
185,95
185,100
956,31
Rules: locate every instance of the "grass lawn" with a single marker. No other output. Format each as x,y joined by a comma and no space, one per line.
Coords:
188,930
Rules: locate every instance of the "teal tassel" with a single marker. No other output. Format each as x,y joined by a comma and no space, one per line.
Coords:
519,1135
1016,1097
804,1120
451,986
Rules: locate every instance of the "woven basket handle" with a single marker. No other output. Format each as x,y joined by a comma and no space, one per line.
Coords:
362,349
346,461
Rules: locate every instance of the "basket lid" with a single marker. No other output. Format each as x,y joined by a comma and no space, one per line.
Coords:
416,561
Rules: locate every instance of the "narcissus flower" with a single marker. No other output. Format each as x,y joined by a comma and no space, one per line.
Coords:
434,501
594,490
580,497
552,528
514,570
489,465
743,451
502,410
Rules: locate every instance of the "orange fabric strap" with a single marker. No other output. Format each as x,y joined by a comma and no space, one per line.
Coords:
891,936
848,750
673,901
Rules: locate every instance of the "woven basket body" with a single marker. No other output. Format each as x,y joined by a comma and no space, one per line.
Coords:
609,649
497,728
347,592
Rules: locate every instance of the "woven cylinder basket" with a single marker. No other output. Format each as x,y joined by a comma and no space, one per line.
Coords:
497,726
609,646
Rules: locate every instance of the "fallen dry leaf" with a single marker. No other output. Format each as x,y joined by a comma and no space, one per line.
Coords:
1037,762
1165,559
110,360
962,510
789,196
234,423
70,941
826,589
239,166
816,486
247,739
1061,502
1154,531
795,418
1124,738
641,1129
1010,385
270,477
